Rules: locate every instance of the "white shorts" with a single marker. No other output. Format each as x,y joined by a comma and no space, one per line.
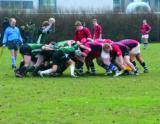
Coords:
136,50
146,36
105,55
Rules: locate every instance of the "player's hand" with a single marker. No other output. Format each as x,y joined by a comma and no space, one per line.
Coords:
43,47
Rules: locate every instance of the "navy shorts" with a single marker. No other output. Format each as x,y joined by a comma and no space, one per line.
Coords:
13,45
26,50
59,58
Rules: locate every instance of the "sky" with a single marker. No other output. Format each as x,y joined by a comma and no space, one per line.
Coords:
80,4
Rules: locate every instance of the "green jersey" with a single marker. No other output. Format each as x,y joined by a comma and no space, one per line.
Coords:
36,48
62,43
69,49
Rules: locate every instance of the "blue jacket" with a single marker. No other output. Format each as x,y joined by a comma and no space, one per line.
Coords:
11,34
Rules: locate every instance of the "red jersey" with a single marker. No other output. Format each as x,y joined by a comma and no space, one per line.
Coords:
103,41
95,49
130,43
116,51
97,31
145,28
80,34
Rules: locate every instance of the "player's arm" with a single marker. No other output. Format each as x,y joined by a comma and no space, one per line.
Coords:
88,34
85,47
47,47
5,37
67,49
100,32
93,36
149,28
45,30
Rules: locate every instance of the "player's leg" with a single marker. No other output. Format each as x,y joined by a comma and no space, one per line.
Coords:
128,62
71,63
135,51
90,65
79,67
39,62
25,51
15,47
21,72
120,62
143,40
107,65
13,58
93,70
145,43
48,71
142,62
146,37
57,58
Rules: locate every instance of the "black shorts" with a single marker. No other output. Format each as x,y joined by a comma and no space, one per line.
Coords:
13,45
59,58
124,50
61,68
26,50
47,55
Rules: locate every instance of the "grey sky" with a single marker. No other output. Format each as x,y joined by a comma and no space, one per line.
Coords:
77,4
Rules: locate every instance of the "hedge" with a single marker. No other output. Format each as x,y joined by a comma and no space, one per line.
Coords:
115,26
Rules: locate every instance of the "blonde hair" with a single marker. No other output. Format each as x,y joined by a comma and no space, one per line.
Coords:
45,23
78,23
94,20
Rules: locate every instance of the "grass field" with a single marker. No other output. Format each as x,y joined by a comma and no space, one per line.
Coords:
86,100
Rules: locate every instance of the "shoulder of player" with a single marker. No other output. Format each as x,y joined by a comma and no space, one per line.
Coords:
17,28
85,28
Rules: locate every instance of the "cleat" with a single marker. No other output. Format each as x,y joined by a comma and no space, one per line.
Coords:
14,67
118,73
40,73
93,73
19,75
56,74
88,72
79,72
145,71
108,73
31,69
74,76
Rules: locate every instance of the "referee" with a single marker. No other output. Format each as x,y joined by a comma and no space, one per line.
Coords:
12,39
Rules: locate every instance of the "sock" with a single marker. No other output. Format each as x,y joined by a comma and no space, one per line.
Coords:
106,67
113,68
31,69
92,67
110,67
13,61
47,72
145,45
79,66
21,64
22,70
134,63
93,70
144,65
72,67
103,65
88,67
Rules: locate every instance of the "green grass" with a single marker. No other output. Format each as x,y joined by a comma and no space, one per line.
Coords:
86,100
